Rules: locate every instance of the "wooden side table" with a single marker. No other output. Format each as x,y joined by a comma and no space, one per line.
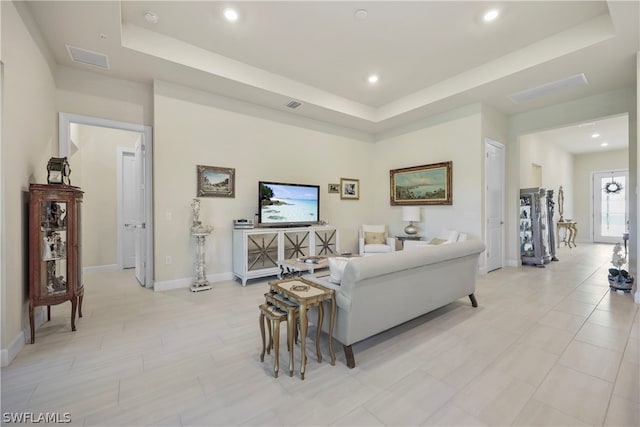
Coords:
307,294
569,235
404,237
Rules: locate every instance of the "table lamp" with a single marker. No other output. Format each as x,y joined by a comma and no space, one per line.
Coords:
411,213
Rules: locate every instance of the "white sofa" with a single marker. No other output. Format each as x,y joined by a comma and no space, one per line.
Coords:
379,292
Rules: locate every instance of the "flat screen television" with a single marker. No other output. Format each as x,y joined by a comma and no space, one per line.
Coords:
288,205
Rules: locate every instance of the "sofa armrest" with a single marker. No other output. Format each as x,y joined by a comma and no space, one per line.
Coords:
391,241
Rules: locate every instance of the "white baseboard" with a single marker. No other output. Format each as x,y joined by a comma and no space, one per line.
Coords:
8,354
167,285
101,268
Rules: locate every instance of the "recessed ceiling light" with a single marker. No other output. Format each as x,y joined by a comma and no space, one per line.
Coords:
151,17
231,15
361,14
491,15
595,135
604,144
373,78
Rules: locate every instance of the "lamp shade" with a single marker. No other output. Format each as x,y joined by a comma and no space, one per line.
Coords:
411,213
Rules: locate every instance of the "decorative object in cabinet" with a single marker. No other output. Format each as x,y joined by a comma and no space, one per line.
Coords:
55,268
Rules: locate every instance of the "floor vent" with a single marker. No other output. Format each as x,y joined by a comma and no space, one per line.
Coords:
294,104
84,56
548,88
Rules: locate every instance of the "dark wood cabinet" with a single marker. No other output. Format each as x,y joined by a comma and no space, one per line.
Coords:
55,268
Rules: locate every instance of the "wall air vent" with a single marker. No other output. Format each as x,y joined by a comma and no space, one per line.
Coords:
84,56
294,104
548,88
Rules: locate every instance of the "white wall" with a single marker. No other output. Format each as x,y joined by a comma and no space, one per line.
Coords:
190,129
457,140
28,141
584,166
557,169
94,169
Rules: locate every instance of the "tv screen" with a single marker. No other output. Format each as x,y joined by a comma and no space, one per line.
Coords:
282,204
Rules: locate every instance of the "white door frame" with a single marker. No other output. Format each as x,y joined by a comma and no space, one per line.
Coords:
501,146
64,121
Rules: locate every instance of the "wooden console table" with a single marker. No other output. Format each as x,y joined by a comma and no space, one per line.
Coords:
306,294
569,235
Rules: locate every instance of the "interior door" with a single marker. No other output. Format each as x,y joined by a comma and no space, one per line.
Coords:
494,203
610,205
141,228
129,209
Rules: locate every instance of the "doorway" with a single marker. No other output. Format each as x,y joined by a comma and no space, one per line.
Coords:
142,194
494,203
610,205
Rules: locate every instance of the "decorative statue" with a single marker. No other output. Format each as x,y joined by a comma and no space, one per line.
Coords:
195,206
561,203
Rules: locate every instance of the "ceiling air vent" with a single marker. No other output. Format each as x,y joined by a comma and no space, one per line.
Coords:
294,104
548,88
84,56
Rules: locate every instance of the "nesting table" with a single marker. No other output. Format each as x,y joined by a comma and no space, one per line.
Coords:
304,294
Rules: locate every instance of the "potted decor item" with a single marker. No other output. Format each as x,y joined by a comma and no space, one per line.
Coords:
619,279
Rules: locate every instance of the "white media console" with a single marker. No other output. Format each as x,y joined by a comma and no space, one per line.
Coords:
256,251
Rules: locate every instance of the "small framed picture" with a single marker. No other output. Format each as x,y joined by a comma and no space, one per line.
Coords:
214,181
334,188
349,188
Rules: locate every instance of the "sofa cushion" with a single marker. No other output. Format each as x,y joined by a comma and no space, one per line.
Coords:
336,269
377,249
372,238
437,241
448,235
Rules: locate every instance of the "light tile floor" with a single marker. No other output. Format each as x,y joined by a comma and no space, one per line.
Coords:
548,346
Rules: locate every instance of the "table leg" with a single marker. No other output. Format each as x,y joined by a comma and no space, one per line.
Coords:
558,235
291,328
331,321
319,330
264,346
303,339
276,346
574,231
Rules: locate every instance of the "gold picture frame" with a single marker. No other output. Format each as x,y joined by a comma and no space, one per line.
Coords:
422,185
334,188
349,188
215,181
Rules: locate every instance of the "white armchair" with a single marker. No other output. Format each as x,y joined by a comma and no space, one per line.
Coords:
374,239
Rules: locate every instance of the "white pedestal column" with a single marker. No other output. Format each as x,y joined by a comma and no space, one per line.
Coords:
200,283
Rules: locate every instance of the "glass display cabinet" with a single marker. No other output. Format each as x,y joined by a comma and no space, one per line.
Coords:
55,268
534,227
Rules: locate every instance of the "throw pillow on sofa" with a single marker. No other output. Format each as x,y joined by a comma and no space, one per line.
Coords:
336,269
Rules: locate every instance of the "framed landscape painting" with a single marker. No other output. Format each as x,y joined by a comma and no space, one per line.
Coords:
422,185
216,182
